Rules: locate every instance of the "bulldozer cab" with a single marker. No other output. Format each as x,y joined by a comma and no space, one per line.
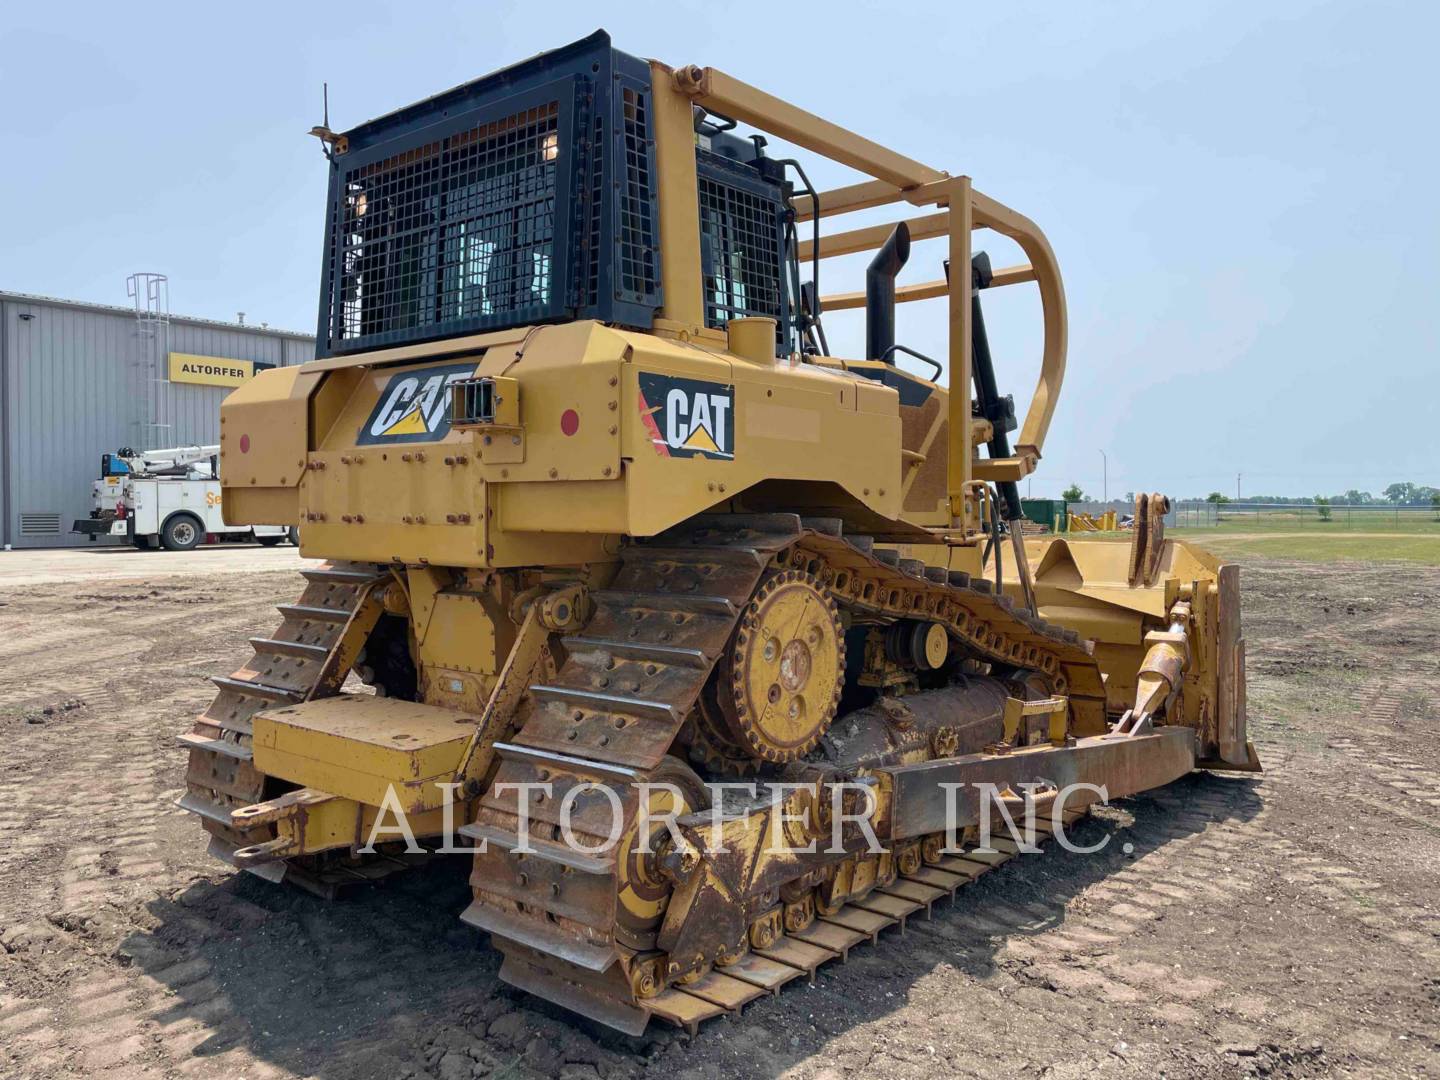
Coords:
532,196
585,183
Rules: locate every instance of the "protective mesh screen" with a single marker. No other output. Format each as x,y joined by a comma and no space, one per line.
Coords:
740,240
592,241
637,201
460,228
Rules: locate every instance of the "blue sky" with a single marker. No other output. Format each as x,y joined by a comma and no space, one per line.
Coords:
1242,196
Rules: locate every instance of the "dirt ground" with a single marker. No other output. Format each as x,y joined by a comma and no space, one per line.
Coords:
115,563
1284,927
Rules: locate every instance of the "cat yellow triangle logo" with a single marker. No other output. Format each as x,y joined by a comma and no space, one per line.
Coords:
700,440
412,423
688,417
414,405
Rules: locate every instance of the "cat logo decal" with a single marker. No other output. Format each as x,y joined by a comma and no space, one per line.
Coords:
688,417
414,406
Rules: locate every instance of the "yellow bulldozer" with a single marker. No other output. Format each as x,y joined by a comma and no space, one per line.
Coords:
715,648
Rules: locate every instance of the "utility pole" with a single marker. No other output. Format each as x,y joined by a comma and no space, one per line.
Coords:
1105,477
1237,487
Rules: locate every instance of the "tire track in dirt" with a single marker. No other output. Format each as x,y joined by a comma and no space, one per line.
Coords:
84,832
1085,958
1385,699
110,853
188,969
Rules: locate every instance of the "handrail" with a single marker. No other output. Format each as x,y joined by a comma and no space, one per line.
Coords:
864,196
992,214
718,92
872,236
926,290
898,178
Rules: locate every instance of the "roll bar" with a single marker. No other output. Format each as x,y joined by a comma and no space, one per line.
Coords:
896,178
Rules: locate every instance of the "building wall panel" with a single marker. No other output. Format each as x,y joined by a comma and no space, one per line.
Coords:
73,385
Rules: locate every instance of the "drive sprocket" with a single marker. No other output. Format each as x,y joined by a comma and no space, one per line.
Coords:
781,676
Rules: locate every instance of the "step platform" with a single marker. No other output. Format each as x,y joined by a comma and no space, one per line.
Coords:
358,746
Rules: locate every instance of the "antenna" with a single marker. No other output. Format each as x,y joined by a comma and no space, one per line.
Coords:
330,142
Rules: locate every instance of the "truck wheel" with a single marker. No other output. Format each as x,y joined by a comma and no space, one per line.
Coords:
181,533
294,535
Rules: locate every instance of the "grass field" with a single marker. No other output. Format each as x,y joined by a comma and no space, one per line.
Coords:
1320,547
1369,537
1343,519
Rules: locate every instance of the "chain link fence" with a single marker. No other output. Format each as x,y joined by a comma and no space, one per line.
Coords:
1366,516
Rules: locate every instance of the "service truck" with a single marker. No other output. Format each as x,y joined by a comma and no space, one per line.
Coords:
168,498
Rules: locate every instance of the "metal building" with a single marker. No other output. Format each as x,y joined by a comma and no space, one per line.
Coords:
78,380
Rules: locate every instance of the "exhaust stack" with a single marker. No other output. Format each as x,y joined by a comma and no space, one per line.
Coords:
880,293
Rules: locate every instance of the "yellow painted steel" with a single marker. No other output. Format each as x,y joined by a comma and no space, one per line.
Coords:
1054,709
787,666
497,507
526,658
869,194
1084,585
263,440
536,495
579,460
962,512
995,215
1082,522
467,344
361,747
678,195
463,643
752,338
872,236
308,822
490,581
927,290
733,98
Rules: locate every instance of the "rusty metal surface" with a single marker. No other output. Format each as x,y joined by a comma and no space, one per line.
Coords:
1233,745
517,929
1124,765
899,730
611,715
600,996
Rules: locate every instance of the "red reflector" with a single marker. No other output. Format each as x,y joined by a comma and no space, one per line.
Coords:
570,421
244,444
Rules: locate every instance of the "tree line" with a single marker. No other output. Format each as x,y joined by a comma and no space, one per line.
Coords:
1402,494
